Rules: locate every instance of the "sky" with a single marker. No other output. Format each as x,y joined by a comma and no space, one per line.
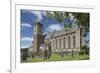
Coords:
28,19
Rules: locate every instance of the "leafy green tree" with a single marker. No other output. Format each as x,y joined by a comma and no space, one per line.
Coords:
48,45
84,50
45,54
24,54
82,19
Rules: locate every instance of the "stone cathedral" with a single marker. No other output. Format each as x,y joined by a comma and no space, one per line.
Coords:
66,40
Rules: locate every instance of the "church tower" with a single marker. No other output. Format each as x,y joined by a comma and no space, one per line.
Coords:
38,36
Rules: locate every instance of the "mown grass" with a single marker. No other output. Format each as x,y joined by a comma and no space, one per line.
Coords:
56,57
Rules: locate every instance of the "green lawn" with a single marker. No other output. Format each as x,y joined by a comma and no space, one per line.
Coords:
56,57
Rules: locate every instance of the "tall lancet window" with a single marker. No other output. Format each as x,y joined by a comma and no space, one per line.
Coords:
64,43
69,42
74,41
60,43
53,44
56,43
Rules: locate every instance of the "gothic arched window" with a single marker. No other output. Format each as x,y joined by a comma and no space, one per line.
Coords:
56,43
53,44
60,43
69,42
64,43
74,41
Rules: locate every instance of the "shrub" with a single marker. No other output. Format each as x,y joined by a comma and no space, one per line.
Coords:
49,52
24,54
32,54
62,54
45,54
84,50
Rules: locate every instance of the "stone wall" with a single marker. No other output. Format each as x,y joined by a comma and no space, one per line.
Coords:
58,43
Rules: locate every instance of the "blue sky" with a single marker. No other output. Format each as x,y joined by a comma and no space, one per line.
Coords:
29,17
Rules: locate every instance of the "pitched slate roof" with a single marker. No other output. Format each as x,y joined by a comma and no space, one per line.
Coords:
60,33
49,35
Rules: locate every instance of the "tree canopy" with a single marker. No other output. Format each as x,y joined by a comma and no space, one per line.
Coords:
82,18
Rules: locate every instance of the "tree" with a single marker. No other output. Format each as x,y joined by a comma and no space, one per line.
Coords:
24,54
82,18
84,50
48,46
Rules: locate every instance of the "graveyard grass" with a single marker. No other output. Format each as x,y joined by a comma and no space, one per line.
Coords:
56,57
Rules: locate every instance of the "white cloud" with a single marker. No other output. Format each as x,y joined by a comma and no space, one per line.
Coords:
38,14
26,25
44,12
26,42
25,46
71,16
53,27
27,39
